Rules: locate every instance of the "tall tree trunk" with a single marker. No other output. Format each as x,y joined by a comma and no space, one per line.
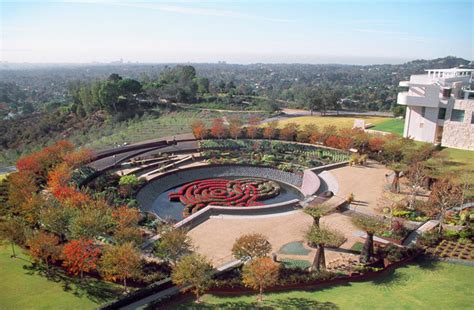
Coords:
396,182
316,221
368,249
441,221
13,250
125,283
260,294
198,297
319,261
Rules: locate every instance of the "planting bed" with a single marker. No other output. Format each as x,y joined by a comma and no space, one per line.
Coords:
451,249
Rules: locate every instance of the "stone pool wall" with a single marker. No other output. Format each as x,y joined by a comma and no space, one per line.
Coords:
147,195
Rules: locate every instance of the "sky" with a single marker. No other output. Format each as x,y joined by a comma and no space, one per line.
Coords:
297,31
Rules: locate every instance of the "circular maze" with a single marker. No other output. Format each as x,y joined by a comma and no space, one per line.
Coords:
236,193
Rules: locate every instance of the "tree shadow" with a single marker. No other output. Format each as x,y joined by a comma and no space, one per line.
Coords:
392,279
428,264
95,290
287,303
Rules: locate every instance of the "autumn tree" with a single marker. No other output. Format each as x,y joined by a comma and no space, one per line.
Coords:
13,231
289,132
445,195
173,244
270,130
80,256
199,129
193,272
416,177
121,262
77,158
235,127
31,208
59,177
126,216
250,246
252,128
218,129
44,247
21,186
304,135
259,274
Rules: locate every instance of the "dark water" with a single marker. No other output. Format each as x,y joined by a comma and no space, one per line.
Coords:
173,210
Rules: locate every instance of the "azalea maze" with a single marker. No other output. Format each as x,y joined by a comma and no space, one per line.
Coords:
243,192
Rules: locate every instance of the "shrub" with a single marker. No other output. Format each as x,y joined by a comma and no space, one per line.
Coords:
429,239
320,235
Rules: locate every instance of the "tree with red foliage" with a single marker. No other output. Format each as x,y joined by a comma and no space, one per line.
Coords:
345,143
289,131
80,256
59,177
252,128
199,129
39,163
126,216
76,158
376,143
218,129
270,131
444,196
44,247
332,141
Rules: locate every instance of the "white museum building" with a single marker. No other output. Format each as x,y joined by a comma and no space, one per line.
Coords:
440,107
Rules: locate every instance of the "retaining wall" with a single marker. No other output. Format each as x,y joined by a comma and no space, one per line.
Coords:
202,215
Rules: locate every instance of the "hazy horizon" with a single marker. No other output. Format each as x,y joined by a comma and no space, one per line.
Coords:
237,32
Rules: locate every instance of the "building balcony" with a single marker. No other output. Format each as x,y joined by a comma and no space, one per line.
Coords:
404,98
404,84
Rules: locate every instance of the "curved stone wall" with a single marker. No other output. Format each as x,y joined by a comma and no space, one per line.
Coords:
147,195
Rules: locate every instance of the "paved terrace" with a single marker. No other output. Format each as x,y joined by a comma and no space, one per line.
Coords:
215,237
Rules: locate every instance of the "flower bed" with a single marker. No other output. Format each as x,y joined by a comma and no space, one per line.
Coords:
452,249
223,192
283,155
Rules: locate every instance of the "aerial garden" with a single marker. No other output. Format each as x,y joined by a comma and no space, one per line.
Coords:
70,225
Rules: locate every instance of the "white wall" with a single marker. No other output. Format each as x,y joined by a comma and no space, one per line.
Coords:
421,128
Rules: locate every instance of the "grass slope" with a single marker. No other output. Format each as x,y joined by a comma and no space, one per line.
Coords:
338,121
461,164
22,287
393,125
424,286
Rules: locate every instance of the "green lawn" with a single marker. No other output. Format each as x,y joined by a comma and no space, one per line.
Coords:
424,286
461,164
22,287
393,125
342,121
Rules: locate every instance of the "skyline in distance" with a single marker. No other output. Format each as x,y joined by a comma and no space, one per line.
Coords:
349,32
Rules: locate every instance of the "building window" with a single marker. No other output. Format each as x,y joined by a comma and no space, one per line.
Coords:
423,111
457,115
442,113
472,118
